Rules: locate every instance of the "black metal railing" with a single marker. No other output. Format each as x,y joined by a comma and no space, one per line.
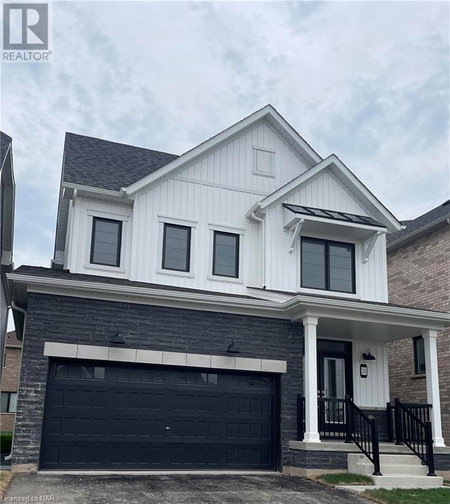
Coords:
422,411
342,419
362,429
415,432
331,418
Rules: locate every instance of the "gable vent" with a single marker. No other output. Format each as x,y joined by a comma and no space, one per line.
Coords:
263,162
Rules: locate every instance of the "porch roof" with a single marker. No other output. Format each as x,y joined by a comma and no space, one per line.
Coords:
339,318
355,319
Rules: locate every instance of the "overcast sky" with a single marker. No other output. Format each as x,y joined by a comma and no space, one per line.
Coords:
367,81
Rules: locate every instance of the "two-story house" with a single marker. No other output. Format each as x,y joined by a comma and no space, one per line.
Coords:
210,310
418,259
7,193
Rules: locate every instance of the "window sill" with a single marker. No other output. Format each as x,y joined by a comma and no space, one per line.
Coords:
217,278
263,174
183,274
418,376
100,267
320,292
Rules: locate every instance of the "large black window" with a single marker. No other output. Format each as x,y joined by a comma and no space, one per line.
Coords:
106,242
419,355
176,247
226,254
328,265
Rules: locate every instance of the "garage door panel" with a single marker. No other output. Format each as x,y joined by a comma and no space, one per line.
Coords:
126,416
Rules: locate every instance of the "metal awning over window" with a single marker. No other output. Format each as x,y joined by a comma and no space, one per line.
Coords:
333,215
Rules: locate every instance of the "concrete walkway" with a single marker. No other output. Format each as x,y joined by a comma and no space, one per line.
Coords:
173,489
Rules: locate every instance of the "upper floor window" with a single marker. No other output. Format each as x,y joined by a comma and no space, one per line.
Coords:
419,355
226,254
176,247
106,241
328,265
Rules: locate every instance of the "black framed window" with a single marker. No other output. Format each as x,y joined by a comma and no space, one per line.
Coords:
8,402
176,247
106,242
328,265
226,254
419,355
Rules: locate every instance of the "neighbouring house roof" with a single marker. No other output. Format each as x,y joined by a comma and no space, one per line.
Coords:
108,165
5,141
11,340
421,225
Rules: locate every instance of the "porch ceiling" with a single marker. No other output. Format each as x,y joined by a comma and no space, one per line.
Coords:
357,330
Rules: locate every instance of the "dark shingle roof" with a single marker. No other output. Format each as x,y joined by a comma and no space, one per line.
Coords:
415,225
108,165
5,140
40,271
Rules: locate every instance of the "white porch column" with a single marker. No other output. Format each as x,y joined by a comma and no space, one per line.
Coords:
310,379
432,374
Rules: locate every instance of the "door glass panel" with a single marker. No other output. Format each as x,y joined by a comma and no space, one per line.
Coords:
334,388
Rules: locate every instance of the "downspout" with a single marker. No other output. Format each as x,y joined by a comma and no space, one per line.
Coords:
263,260
22,310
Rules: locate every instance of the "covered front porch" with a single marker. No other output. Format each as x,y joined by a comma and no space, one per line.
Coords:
346,356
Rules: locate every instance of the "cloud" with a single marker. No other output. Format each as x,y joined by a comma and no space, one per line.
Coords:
366,80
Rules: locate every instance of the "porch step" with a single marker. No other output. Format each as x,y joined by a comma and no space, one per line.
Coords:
405,481
399,471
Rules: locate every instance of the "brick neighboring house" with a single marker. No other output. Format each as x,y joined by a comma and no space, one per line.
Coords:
418,274
10,381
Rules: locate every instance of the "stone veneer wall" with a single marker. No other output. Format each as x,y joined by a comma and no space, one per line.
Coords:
88,321
418,275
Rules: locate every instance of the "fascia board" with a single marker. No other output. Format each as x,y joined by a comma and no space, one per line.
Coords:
389,216
153,296
293,184
294,308
266,111
332,160
94,190
369,312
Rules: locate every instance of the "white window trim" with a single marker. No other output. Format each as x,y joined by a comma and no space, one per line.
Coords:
177,221
324,292
255,170
123,246
224,228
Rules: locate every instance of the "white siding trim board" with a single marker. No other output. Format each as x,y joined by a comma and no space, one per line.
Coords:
92,352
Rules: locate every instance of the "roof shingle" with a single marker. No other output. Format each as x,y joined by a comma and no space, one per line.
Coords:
414,225
108,165
5,140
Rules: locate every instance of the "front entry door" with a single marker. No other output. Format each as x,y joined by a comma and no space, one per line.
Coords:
334,381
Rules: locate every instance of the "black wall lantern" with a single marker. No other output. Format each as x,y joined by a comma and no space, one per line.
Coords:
368,356
233,348
117,339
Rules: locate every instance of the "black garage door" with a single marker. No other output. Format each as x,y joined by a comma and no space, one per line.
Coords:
128,416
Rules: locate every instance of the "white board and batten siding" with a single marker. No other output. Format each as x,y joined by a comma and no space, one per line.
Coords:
373,391
214,192
283,269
